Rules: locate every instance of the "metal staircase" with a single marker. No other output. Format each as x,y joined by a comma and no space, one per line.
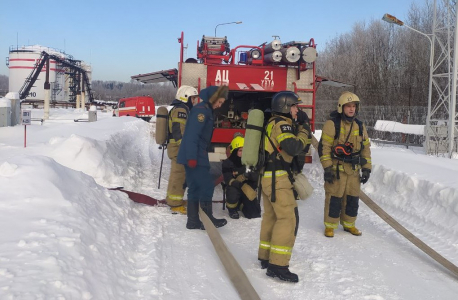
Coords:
30,80
56,86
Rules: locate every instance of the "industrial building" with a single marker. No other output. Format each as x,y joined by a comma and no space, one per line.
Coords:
65,74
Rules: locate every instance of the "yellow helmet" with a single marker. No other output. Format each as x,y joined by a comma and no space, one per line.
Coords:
237,142
347,97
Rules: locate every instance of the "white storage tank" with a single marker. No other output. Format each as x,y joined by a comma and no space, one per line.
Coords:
21,63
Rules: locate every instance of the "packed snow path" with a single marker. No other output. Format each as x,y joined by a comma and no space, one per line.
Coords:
67,237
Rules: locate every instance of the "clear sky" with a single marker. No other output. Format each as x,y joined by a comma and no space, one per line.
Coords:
124,38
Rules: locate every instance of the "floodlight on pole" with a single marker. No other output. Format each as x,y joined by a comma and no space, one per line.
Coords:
393,20
238,22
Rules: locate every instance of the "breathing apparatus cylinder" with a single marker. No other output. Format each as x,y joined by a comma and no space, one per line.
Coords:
253,134
162,131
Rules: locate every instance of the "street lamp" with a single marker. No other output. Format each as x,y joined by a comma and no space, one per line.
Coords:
393,20
238,22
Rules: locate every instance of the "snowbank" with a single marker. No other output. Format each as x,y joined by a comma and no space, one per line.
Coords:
70,234
4,102
67,236
428,209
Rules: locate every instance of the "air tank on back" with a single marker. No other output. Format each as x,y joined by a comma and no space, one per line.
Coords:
162,125
253,134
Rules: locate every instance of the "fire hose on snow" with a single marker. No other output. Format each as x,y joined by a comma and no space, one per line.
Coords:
402,230
236,273
233,269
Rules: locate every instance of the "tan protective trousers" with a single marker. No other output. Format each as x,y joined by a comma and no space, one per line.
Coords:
177,178
342,201
279,221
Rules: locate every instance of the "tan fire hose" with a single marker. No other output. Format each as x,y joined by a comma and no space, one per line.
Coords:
401,229
233,269
243,285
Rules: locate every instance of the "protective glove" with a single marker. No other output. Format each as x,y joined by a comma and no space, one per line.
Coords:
298,162
249,192
252,176
192,163
329,175
239,171
365,174
236,184
302,117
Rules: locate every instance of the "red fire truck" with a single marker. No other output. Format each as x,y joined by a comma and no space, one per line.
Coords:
253,73
141,107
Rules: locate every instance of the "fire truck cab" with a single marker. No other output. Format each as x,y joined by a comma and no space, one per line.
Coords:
252,73
141,107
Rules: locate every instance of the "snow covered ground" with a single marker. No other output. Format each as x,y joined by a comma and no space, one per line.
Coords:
66,236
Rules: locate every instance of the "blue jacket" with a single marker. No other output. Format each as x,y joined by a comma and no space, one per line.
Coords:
198,132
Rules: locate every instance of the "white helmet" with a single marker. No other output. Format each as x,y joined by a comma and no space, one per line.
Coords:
184,92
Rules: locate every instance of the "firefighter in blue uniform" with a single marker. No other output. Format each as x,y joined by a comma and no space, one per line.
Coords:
193,154
178,115
280,221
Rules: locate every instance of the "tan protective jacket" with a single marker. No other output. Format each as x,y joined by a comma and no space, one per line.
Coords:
360,143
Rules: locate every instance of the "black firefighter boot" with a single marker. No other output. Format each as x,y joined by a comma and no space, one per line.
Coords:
193,216
207,207
233,213
264,263
282,272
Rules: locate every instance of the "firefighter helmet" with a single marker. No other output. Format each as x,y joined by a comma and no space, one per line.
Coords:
184,92
347,97
282,101
237,142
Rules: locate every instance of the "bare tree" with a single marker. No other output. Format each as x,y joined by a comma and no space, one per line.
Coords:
3,85
162,93
387,64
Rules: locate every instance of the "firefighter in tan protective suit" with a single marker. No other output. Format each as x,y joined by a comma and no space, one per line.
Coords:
280,221
240,185
185,98
345,155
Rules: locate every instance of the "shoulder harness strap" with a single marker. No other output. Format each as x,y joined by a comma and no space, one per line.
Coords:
337,120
